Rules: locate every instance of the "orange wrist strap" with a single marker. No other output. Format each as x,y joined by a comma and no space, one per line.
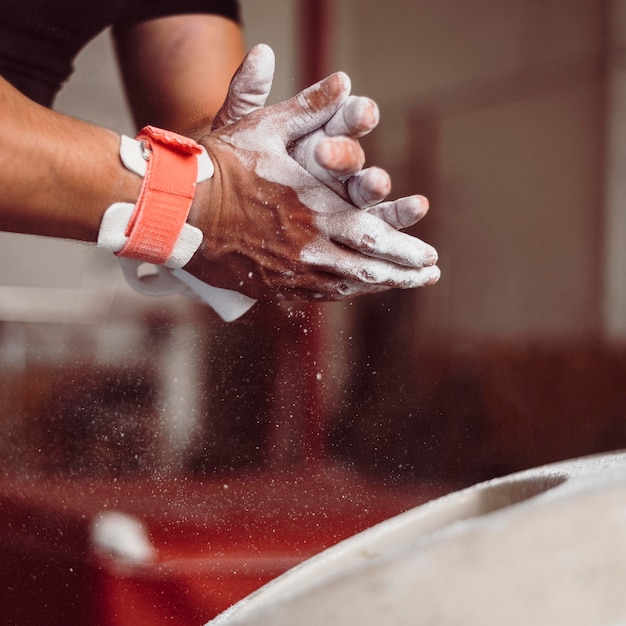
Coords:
166,195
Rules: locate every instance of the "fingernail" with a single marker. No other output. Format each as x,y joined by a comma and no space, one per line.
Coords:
431,258
334,84
435,277
370,108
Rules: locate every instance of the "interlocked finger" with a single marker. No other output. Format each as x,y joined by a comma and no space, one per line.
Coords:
357,117
401,213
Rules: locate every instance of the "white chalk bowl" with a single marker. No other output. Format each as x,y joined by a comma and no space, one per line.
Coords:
545,546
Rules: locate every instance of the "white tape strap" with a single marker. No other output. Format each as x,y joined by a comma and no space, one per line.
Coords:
112,235
132,155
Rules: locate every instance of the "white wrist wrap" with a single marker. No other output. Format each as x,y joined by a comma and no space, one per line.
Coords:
112,235
168,278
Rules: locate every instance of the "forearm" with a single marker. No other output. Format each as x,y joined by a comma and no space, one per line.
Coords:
57,174
176,70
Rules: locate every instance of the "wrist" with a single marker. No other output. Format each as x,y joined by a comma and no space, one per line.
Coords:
202,200
155,228
123,185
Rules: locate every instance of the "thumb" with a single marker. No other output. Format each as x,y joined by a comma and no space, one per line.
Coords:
311,108
249,87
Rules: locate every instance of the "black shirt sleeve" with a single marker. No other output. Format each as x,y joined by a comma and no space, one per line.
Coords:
39,39
141,10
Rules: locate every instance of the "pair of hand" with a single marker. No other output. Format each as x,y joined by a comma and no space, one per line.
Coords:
289,212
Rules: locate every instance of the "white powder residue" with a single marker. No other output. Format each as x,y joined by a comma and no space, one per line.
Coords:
367,270
121,536
311,193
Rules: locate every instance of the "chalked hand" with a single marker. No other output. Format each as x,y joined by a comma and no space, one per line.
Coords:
272,230
330,153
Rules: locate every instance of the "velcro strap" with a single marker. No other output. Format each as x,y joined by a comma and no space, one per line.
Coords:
168,189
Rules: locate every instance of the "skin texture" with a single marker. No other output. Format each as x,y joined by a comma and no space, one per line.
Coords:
57,174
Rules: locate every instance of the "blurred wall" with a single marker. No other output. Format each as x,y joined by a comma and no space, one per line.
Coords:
615,222
495,109
509,116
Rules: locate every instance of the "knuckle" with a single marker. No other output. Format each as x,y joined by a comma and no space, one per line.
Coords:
374,239
369,242
308,106
345,289
367,275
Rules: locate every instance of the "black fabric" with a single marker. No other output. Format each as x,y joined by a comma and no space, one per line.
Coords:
39,39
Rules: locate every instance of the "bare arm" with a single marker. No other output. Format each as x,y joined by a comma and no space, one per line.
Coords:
176,70
57,174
